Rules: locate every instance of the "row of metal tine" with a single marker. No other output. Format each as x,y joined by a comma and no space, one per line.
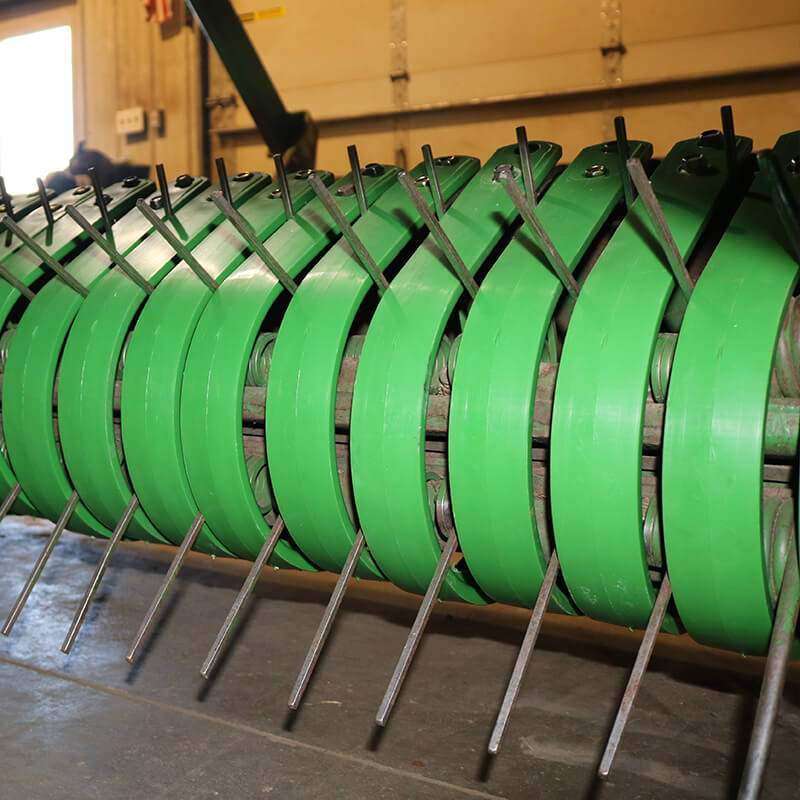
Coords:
635,184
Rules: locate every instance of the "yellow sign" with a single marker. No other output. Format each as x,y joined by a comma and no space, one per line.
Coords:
264,13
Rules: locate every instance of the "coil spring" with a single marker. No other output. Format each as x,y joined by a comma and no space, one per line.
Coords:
259,481
261,359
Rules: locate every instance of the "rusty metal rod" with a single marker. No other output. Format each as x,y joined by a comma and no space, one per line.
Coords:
9,500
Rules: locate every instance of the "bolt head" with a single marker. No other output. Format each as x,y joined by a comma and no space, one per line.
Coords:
372,170
130,182
242,176
275,193
347,189
596,170
711,138
157,202
184,180
81,190
106,198
423,180
693,164
303,174
445,161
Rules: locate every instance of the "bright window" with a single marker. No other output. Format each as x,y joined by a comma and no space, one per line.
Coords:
36,127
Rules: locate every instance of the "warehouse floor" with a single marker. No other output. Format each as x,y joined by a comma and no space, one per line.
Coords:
89,725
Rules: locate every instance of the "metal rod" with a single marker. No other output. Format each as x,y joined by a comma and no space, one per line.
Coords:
244,595
623,153
439,236
41,561
177,245
637,674
224,183
45,257
525,165
782,199
283,183
10,499
45,201
433,180
660,226
97,577
109,249
417,629
172,573
780,648
524,655
163,188
12,279
530,216
244,229
729,133
5,198
100,201
358,179
349,234
325,625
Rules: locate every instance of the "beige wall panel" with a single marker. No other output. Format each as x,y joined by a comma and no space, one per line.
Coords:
100,74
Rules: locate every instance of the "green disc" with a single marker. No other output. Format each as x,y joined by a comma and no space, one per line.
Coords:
598,409
713,451
491,407
33,357
387,429
301,393
89,364
216,369
154,365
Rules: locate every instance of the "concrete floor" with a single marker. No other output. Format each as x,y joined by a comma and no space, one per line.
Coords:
89,725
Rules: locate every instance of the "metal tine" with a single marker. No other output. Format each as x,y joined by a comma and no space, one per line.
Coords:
94,583
244,229
224,183
417,629
729,133
780,648
637,674
528,214
440,237
9,276
249,584
433,180
524,655
100,200
624,153
41,561
358,179
349,234
172,573
10,499
45,257
660,226
525,165
109,249
782,198
176,244
45,201
326,623
5,197
283,183
163,189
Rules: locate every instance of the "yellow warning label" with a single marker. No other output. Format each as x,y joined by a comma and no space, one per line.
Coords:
264,13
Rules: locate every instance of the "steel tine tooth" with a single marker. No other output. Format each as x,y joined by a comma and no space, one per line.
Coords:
163,188
9,500
41,561
433,179
417,629
637,674
172,573
100,200
100,569
5,198
660,226
439,236
241,599
283,184
12,279
177,245
45,201
782,198
349,234
224,183
325,625
358,178
623,153
530,216
524,655
525,165
729,133
780,648
116,257
244,229
45,257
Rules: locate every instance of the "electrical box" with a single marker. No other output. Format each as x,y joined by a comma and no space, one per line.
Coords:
131,120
